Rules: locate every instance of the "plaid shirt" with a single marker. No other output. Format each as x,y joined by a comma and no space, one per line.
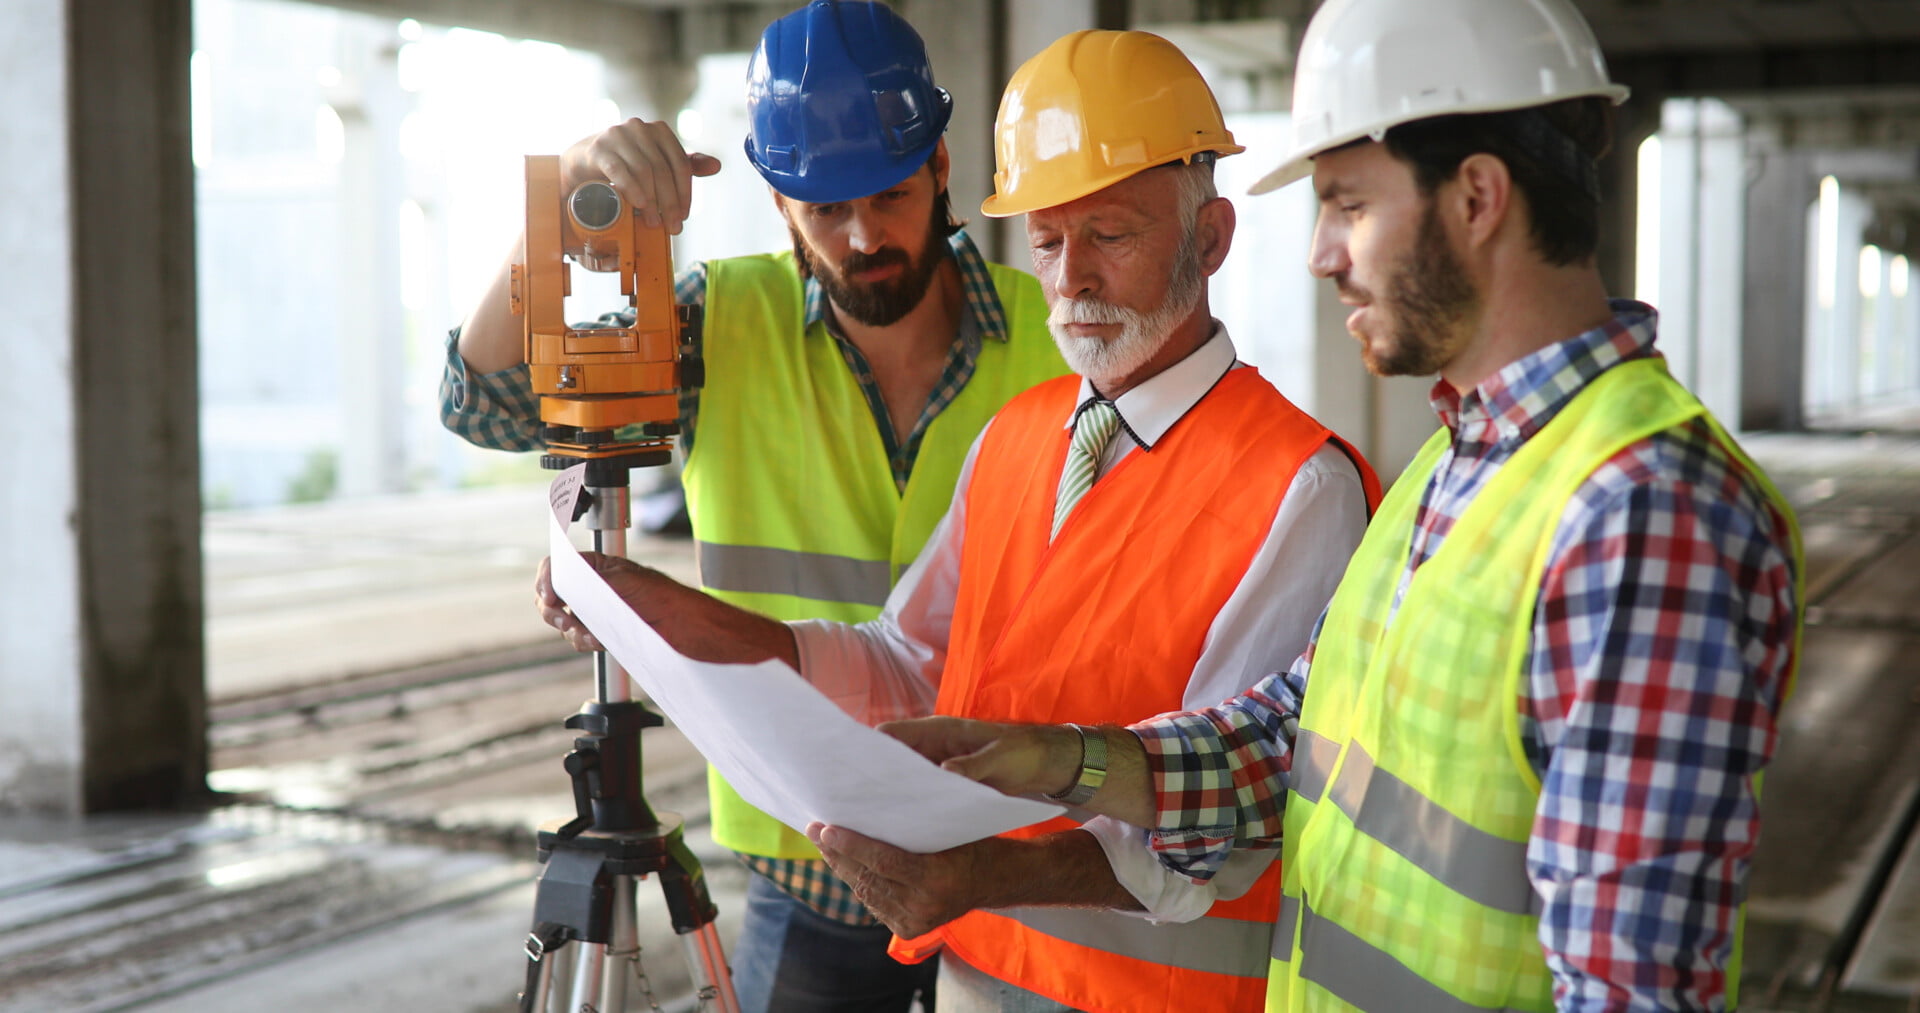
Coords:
499,410
1659,657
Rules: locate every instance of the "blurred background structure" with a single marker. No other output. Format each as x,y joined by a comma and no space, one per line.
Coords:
277,717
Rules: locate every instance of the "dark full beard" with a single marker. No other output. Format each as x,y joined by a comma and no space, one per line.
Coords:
1426,300
883,303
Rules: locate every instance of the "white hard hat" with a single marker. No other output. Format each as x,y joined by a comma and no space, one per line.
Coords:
1369,65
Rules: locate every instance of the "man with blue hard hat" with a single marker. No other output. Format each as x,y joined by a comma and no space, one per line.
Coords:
845,381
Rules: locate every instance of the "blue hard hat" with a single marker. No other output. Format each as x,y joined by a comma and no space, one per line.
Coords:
841,102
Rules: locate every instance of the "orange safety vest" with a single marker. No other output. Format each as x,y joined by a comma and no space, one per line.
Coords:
1104,625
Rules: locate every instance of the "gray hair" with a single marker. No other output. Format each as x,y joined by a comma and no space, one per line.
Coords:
1195,182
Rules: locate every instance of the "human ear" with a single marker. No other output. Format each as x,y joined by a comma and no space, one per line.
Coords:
1213,233
1482,195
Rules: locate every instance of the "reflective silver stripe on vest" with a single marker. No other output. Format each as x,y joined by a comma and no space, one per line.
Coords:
814,575
1209,945
1313,757
1365,976
1468,860
1283,929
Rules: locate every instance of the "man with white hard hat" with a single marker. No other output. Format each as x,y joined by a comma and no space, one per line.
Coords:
1518,765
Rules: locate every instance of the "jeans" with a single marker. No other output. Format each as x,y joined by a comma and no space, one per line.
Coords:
967,989
791,959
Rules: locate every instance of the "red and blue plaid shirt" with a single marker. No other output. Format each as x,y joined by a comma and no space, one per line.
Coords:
1661,649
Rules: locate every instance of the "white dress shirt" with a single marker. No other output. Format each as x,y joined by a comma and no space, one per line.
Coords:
890,667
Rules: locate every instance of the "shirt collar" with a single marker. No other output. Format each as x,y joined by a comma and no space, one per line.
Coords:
1526,393
1150,409
988,317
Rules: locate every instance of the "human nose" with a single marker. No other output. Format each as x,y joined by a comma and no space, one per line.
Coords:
1077,273
1328,256
866,233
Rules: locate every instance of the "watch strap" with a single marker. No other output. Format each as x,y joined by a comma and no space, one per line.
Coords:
1093,768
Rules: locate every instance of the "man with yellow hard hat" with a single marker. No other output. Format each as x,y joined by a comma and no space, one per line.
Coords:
1137,538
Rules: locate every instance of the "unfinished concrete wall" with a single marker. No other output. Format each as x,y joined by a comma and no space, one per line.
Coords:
39,583
101,642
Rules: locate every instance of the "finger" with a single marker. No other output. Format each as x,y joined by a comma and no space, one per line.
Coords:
648,158
940,738
703,164
843,865
625,157
569,627
1017,763
879,894
543,584
673,183
880,858
583,640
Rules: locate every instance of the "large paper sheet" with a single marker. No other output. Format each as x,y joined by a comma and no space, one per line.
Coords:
781,743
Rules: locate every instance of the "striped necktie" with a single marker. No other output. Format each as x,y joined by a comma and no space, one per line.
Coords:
1091,432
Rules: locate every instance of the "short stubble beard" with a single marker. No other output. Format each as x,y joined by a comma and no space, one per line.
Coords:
1428,300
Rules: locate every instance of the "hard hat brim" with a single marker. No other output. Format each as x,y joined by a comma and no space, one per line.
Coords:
999,206
1299,164
819,189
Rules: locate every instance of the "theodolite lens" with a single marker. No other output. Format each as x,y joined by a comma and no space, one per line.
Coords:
594,206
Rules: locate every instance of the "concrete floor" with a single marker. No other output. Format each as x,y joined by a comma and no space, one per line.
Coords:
387,727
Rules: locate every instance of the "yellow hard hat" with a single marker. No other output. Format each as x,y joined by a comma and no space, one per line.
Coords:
1092,109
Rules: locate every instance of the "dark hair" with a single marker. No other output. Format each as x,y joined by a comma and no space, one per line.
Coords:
1549,150
943,215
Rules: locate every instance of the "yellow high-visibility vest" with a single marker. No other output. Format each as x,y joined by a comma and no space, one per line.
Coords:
794,508
1410,798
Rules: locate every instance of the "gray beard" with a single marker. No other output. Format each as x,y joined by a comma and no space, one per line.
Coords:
1141,334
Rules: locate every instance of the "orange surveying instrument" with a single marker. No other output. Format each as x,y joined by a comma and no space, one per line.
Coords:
606,393
609,402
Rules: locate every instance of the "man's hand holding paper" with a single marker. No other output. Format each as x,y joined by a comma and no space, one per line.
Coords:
732,687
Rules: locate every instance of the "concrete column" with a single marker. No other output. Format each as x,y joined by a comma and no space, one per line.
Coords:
1909,328
1774,308
1634,122
101,652
967,44
1837,349
1694,279
40,647
372,323
1879,378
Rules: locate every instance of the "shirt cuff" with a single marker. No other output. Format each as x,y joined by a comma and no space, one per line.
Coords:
1166,895
1196,800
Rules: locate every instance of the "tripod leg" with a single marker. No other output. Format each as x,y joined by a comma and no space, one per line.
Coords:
712,980
623,950
589,977
545,945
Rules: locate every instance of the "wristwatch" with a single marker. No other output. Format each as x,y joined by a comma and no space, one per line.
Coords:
1093,768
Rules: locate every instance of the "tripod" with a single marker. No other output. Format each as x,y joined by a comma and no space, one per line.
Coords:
584,905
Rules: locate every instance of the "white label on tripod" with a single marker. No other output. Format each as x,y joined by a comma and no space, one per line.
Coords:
564,493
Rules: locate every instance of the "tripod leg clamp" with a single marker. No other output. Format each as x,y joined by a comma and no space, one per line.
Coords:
543,940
